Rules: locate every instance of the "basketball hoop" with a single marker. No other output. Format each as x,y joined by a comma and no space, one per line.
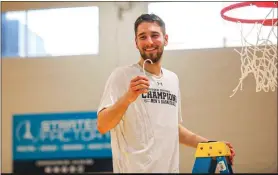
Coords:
260,57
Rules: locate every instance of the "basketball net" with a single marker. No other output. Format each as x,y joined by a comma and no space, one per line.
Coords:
260,57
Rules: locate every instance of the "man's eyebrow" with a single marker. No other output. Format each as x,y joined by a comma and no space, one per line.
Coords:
142,33
153,32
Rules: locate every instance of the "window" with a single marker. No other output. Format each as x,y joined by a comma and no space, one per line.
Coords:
194,25
50,32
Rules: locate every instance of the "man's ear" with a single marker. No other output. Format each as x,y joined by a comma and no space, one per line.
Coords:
166,40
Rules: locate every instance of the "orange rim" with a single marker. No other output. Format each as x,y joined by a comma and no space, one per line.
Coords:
265,22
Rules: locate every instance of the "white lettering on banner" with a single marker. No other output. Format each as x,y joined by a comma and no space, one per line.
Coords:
61,135
48,148
73,147
70,130
52,162
41,163
25,148
99,146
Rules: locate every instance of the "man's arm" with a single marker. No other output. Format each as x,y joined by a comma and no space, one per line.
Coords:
189,138
109,117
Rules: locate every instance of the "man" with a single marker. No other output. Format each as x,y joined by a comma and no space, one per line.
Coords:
142,108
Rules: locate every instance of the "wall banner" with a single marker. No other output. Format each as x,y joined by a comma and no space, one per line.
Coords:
60,143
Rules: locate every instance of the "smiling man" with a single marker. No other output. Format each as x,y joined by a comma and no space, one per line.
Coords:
142,111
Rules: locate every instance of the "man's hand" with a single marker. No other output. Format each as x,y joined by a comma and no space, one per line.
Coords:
137,86
232,152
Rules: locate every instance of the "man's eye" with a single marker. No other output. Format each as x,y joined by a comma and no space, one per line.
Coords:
142,37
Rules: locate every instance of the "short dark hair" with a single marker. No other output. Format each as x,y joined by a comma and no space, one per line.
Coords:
149,18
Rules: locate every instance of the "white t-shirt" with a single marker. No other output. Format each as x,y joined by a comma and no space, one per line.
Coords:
146,140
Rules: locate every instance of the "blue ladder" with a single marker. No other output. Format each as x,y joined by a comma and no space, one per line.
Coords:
211,155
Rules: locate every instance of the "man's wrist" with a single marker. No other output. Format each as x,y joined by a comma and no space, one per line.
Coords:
126,99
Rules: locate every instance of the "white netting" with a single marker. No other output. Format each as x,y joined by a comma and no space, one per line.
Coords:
259,58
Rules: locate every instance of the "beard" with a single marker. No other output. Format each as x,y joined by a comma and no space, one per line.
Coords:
155,57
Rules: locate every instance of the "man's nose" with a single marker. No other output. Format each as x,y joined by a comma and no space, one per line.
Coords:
149,40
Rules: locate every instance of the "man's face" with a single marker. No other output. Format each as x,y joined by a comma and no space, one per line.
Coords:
150,41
